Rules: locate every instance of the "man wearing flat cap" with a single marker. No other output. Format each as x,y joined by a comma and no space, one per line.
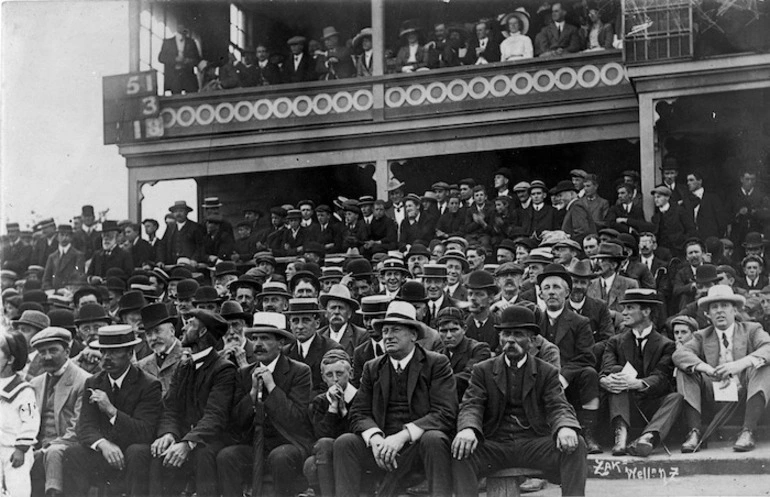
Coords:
64,263
415,225
59,395
326,232
119,413
671,223
269,417
160,334
463,352
355,231
196,410
646,387
728,351
183,238
402,413
514,413
299,66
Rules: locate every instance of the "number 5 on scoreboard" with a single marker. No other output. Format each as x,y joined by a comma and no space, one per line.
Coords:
134,86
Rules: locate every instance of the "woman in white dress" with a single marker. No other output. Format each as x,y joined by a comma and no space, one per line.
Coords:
517,45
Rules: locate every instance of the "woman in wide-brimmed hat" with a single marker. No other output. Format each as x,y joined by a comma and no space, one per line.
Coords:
517,45
413,54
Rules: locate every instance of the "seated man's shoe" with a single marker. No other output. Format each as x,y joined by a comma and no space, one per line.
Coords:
745,442
592,446
621,439
532,485
642,446
690,445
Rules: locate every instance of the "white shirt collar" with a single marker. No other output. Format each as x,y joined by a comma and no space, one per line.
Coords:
305,346
199,356
577,305
747,192
179,226
64,250
119,380
403,362
519,364
665,208
437,303
271,366
337,335
609,280
554,315
729,332
450,289
698,193
644,334
527,203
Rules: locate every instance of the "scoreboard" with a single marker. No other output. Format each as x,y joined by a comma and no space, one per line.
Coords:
131,107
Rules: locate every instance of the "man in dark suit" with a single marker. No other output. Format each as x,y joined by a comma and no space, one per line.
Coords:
354,230
339,307
119,413
401,415
183,238
142,253
383,232
482,50
625,214
110,255
298,66
196,411
304,317
337,61
63,264
610,286
572,334
46,244
594,309
259,72
269,419
325,232
18,254
434,278
514,413
543,214
648,244
179,56
578,221
415,225
372,307
671,223
481,321
670,170
558,37
463,352
685,286
478,217
632,267
649,385
745,206
705,208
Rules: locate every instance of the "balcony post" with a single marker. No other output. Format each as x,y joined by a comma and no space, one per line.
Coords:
647,153
378,37
381,177
134,12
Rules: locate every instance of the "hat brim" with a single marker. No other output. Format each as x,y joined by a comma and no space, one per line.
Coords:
738,300
95,344
324,299
276,294
523,21
17,322
519,326
407,31
419,327
640,301
238,315
253,330
153,324
396,186
175,207
46,341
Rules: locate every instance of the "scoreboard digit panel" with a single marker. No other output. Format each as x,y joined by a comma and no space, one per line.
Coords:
131,107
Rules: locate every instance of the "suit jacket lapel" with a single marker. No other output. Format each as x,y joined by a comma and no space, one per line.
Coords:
649,349
60,392
384,383
174,356
529,377
740,342
561,324
498,372
629,348
414,372
711,346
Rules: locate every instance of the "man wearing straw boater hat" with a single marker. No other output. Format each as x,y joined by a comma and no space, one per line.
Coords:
401,415
118,417
269,417
514,413
190,432
645,391
726,351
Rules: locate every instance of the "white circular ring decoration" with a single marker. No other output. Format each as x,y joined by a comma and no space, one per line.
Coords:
515,83
341,109
361,107
436,85
420,99
616,80
169,118
500,78
199,115
227,106
457,83
536,81
581,76
317,109
572,81
181,111
243,111
395,97
308,106
282,107
263,102
478,95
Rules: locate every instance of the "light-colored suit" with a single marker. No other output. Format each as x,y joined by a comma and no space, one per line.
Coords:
748,339
165,372
67,400
617,290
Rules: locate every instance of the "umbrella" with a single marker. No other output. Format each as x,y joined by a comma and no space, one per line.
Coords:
720,418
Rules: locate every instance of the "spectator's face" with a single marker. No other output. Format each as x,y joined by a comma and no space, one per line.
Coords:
504,255
439,31
434,287
454,270
266,267
184,306
109,239
590,187
578,182
509,283
396,196
670,175
515,343
89,220
558,13
475,261
276,220
514,25
535,269
245,297
624,196
659,199
274,303
465,192
53,356
563,255
438,251
722,314
366,44
361,288
752,269
501,207
441,194
393,280
481,31
451,333
579,288
500,181
296,48
523,195
479,300
150,228
453,204
455,39
682,334
262,54
748,181
294,223
88,332
323,217
116,360
412,209
366,209
411,38
331,42
304,289
521,253
607,266
398,340
379,210
267,346
337,373
160,337
593,15
725,279
538,196
647,246
590,246
633,315
694,254
243,232
693,183
480,197
554,291
764,301
303,326
65,238
180,215
338,313
306,211
415,264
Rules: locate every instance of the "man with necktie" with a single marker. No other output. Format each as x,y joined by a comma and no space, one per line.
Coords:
463,352
161,337
372,307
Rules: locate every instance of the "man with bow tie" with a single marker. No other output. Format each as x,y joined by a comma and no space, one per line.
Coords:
167,350
396,211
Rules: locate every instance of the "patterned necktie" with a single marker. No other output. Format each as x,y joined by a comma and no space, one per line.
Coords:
160,358
399,369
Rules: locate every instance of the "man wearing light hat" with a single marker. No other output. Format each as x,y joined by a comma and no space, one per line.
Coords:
647,384
160,334
412,425
337,61
514,413
119,413
270,410
59,395
339,307
726,351
191,429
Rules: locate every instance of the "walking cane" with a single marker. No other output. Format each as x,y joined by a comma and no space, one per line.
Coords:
647,421
258,444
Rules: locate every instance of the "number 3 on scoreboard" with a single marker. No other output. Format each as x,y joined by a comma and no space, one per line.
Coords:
133,84
149,106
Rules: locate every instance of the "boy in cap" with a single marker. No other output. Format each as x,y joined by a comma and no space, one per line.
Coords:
59,395
463,352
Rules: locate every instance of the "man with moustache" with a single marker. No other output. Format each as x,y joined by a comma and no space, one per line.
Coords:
269,418
185,293
88,319
167,350
129,312
514,413
195,414
340,306
508,278
119,412
110,255
184,238
594,309
59,396
463,352
372,307
274,297
237,349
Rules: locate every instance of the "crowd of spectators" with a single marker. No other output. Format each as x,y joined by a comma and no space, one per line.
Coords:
264,343
505,37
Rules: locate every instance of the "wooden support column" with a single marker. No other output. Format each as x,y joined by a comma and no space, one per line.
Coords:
378,37
647,152
134,48
381,177
134,196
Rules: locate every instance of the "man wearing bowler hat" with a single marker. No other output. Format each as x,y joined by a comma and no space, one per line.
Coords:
339,307
706,276
18,254
88,319
269,417
304,317
728,351
195,412
481,321
237,349
109,255
183,238
372,307
166,348
119,413
644,393
463,352
64,263
129,312
59,395
514,413
595,310
402,413
572,334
